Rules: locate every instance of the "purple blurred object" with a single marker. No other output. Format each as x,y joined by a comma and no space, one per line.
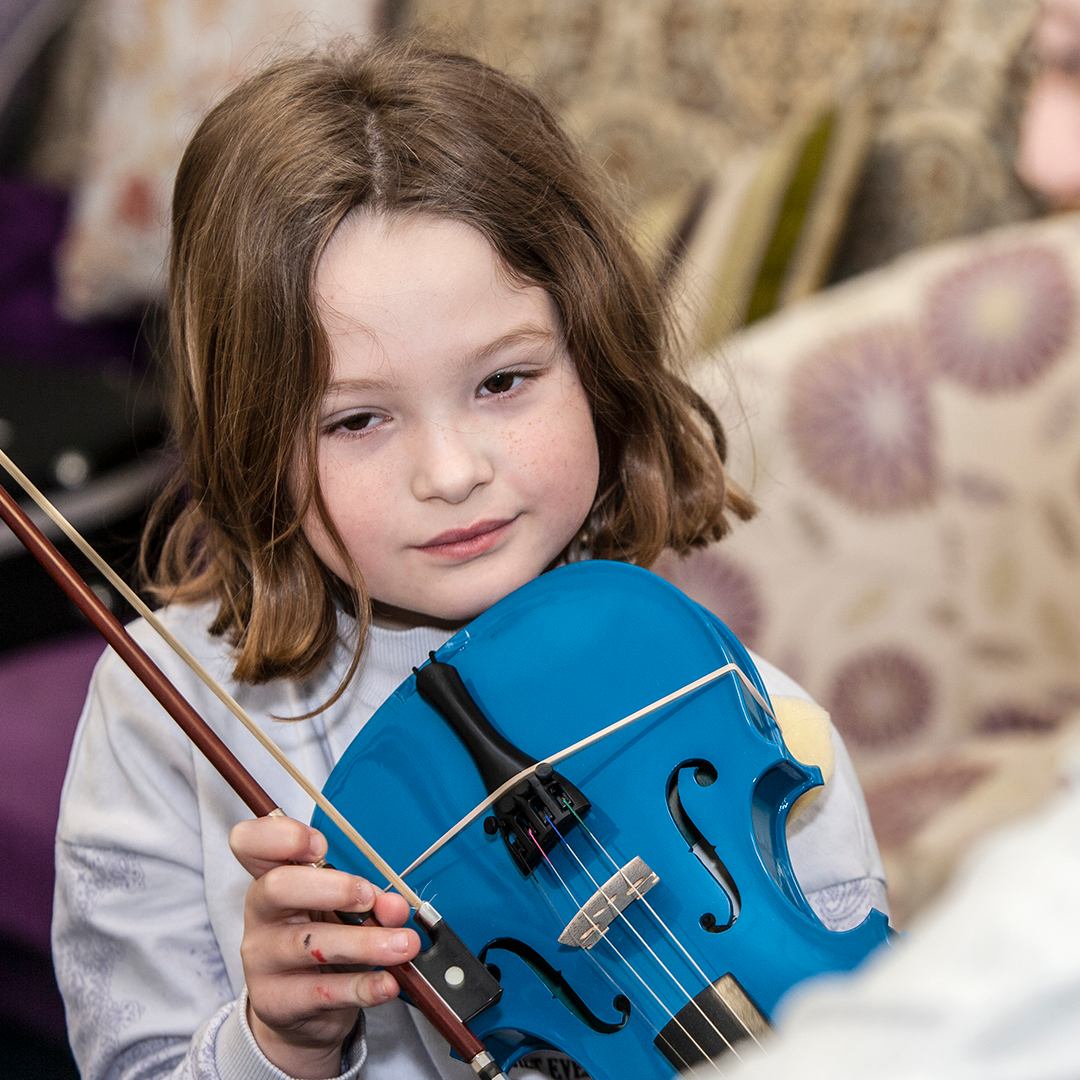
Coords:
42,688
31,328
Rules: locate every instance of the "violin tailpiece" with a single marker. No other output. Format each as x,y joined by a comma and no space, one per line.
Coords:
541,808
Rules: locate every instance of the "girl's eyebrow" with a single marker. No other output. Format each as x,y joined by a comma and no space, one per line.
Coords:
529,333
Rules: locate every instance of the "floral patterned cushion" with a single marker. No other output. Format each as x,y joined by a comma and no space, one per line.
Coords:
913,440
159,66
668,93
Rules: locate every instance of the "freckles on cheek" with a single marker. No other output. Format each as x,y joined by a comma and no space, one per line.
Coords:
532,450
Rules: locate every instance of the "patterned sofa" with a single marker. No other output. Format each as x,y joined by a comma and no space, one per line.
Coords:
783,146
913,440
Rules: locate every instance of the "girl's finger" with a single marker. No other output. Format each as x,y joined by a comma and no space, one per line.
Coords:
286,891
300,997
262,843
391,909
303,947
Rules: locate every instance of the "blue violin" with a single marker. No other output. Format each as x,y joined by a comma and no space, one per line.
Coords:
621,872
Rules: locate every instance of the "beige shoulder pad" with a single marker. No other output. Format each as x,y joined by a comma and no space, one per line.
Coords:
806,730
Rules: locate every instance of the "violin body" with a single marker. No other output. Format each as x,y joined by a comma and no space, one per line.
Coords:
699,791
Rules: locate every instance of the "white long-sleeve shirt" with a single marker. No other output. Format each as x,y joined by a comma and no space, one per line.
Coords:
148,914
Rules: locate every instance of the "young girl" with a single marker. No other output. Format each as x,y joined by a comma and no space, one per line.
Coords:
417,364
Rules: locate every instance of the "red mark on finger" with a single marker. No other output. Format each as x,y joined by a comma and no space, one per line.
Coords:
317,953
323,993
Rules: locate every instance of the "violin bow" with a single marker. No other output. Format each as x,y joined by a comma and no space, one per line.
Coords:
429,1000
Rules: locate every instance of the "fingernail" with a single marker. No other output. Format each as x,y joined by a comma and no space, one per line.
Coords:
388,987
365,894
400,942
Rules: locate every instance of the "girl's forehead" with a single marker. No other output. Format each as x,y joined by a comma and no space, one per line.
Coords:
389,249
420,281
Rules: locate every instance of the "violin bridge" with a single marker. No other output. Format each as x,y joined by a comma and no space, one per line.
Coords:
625,886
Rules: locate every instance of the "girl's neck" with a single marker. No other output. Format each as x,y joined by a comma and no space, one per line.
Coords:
386,617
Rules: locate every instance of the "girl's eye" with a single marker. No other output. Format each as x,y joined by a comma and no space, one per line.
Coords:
502,382
355,424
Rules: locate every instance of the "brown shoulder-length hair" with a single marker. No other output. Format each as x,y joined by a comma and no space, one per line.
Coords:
266,179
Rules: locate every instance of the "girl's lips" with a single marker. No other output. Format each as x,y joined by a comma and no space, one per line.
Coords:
463,543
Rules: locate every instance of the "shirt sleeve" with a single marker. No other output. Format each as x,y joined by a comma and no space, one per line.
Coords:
145,985
833,851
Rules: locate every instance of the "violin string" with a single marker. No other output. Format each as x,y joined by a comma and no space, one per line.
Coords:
654,1027
670,974
559,917
630,967
582,744
660,921
136,602
603,969
621,915
215,687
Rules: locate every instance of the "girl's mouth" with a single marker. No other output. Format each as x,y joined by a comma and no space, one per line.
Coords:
464,543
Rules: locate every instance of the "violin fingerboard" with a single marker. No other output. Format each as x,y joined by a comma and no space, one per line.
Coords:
711,1025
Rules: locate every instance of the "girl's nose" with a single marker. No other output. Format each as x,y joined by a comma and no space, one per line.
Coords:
449,463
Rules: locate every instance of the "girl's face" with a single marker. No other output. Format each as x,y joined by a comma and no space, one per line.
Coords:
457,455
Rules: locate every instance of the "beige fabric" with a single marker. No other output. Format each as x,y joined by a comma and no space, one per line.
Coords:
666,93
137,78
671,94
807,734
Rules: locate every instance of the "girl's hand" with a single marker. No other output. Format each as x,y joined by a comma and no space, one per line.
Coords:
299,1012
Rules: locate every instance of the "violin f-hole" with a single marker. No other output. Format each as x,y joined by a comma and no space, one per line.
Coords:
705,773
557,983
